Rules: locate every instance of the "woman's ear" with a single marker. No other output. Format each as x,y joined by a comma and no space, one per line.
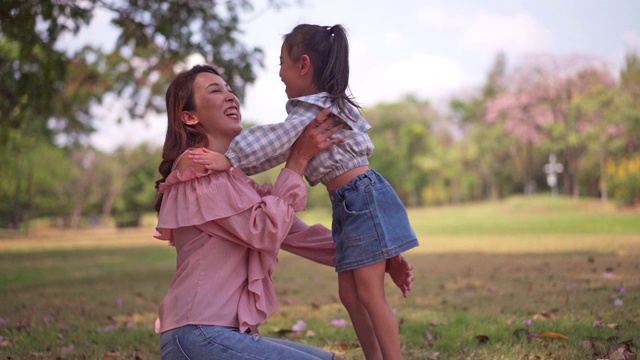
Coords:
188,118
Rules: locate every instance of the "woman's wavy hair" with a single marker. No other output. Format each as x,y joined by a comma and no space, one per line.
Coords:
328,49
180,136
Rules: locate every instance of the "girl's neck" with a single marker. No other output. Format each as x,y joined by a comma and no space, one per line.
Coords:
310,89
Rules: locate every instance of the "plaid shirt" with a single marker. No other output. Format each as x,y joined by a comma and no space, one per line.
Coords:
262,147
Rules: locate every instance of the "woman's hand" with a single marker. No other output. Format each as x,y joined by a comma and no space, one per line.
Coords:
314,138
400,271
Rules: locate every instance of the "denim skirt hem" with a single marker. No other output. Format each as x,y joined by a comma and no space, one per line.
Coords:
372,259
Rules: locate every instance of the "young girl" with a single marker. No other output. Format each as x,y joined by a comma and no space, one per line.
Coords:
370,223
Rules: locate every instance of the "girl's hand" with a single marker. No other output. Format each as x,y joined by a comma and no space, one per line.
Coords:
316,137
210,159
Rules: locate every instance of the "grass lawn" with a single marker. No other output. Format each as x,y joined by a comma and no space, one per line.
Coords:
524,278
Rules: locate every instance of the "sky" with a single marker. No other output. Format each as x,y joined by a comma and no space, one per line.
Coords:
433,49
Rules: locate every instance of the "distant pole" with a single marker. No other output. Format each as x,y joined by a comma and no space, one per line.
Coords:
552,169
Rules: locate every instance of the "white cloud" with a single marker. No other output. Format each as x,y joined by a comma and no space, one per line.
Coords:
435,17
488,32
617,57
357,48
393,38
632,40
516,33
111,133
424,75
265,99
101,25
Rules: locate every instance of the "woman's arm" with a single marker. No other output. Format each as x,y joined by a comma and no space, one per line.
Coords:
314,243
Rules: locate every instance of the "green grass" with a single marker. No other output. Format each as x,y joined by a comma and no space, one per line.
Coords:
484,271
533,216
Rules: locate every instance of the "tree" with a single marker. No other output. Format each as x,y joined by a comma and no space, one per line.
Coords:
32,69
540,107
486,148
47,93
622,173
600,121
42,82
135,193
34,182
629,102
400,132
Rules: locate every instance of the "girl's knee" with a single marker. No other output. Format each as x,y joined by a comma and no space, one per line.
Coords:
349,298
372,299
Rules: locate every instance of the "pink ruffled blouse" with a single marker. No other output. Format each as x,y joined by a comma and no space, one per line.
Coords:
227,231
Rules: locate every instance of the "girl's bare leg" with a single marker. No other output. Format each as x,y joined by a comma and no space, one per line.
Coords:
369,284
359,316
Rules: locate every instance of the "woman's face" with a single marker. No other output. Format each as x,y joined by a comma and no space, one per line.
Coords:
217,109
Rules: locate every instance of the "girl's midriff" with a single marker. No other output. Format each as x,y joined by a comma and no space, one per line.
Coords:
345,178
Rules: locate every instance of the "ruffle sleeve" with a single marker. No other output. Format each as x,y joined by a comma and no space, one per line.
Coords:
259,302
193,198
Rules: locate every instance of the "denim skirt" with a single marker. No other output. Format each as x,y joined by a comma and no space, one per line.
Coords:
370,223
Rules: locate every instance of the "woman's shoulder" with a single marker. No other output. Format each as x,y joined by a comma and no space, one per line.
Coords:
200,175
183,163
186,171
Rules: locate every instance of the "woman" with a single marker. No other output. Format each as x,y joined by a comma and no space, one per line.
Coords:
227,230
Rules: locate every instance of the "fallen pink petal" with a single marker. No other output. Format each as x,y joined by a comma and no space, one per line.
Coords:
338,322
299,326
291,301
105,328
618,302
571,286
67,349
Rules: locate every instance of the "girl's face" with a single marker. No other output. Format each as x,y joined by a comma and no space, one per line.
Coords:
217,109
290,75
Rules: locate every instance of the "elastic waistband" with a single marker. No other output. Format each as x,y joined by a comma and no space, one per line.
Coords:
337,170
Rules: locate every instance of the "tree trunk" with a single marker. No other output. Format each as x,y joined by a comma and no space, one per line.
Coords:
604,194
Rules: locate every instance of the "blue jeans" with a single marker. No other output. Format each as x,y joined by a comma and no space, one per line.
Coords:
227,343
